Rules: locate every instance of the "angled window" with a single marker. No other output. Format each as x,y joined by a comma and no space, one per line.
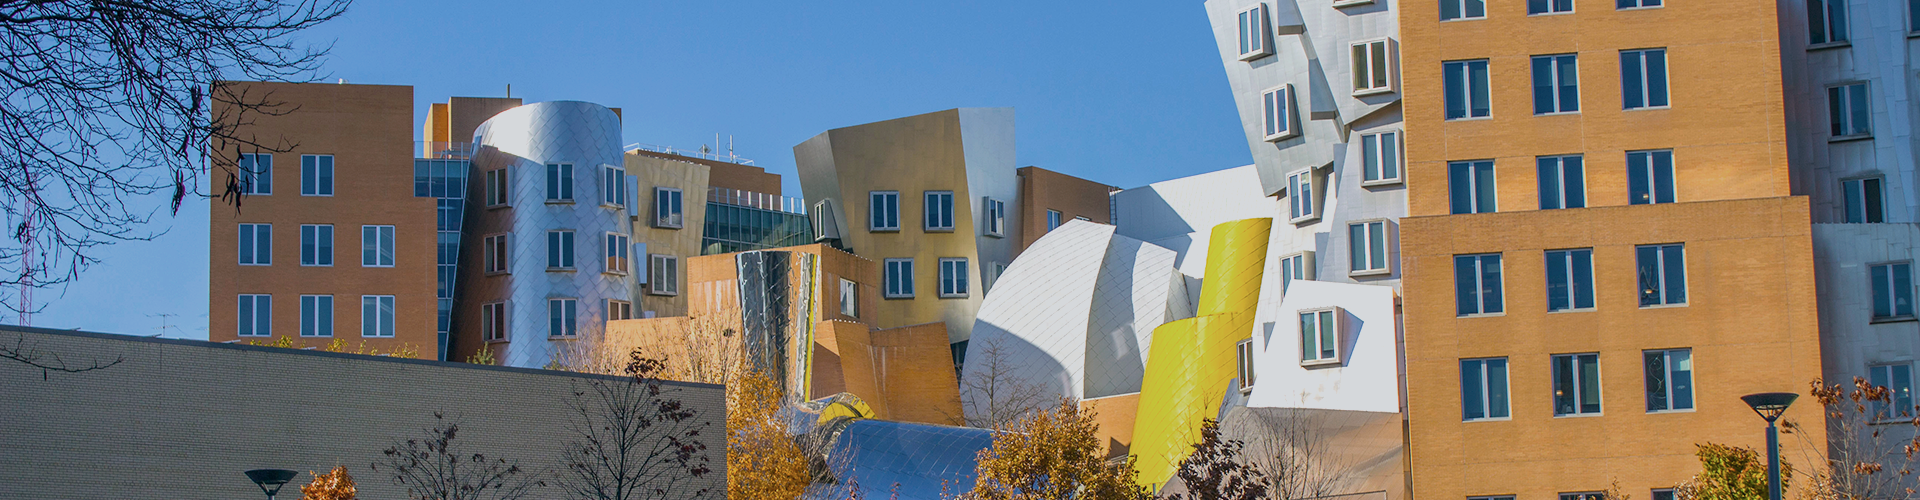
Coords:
1367,247
1864,200
1826,21
493,321
1053,219
1243,358
1637,4
619,309
1462,9
561,317
849,299
1669,379
376,316
665,278
1570,279
316,244
1576,384
1847,111
995,218
376,246
256,244
885,211
1898,380
899,278
316,175
256,174
559,183
1300,196
559,250
1255,33
1483,390
316,315
256,315
1556,84
1663,274
494,250
667,210
1477,285
1650,177
1277,113
616,253
1295,267
1470,185
1643,78
939,211
1320,336
1372,68
1380,158
613,186
1563,182
1535,7
1466,89
953,277
497,187
1892,290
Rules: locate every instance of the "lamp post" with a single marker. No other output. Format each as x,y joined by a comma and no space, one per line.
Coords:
1770,405
271,477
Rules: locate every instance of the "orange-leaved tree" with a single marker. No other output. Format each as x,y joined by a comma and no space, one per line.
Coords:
1053,454
336,484
766,463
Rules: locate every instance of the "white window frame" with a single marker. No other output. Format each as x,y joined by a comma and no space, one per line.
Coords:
849,298
1550,8
663,275
1573,284
897,288
312,310
995,217
559,183
1555,86
1303,202
619,310
1858,189
1579,384
384,316
1666,365
379,252
1053,219
1835,31
669,211
1466,84
1559,166
1354,247
255,179
498,186
1888,412
1660,268
954,278
1243,356
1652,170
1486,394
1279,118
1256,32
1361,55
494,324
992,271
565,311
262,245
1473,187
496,254
613,187
312,182
1480,285
316,234
1381,152
1894,272
1296,267
939,211
883,210
1462,8
1328,322
1639,5
249,311
1646,87
560,250
615,247
1840,112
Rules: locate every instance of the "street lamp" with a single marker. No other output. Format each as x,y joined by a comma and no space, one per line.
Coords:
1770,405
271,477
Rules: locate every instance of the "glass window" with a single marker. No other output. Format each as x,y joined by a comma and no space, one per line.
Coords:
899,278
665,278
1371,67
1254,32
1483,389
256,244
1864,200
1569,279
561,316
1380,157
849,299
256,315
1477,285
1892,290
1462,9
1556,84
316,175
1470,184
1576,384
1466,89
1663,274
376,315
1826,21
493,321
316,315
1913,15
559,182
495,249
1549,7
616,253
1643,78
1637,4
667,210
939,211
613,186
497,187
559,250
1243,355
376,246
1847,110
316,244
953,277
1300,195
885,208
256,174
1669,379
1898,379
1367,246
1563,182
619,309
1319,336
1277,114
995,217
1650,177
1053,219
1295,267
1584,495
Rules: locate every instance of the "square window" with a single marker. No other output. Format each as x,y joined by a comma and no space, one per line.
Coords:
849,299
995,218
497,187
1462,9
1367,247
1563,182
1372,68
559,183
1826,21
1255,33
256,315
1295,267
316,175
1669,379
1650,177
1643,78
613,186
616,253
953,278
376,316
619,310
256,174
1320,336
1663,274
1466,89
493,321
1847,111
494,248
1380,158
1277,113
1301,196
1556,84
1470,187
1570,279
376,246
559,250
899,278
1535,7
667,211
1898,380
256,244
1576,384
1477,284
665,278
1864,199
316,245
316,315
1892,290
884,208
562,315
1483,390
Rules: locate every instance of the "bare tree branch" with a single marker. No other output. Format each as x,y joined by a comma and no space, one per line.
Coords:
994,396
22,352
633,439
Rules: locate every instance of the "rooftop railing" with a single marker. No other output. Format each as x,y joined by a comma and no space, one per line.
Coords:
761,201
688,153
445,150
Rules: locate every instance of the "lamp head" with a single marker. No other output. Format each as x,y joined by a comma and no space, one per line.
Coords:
1770,404
276,478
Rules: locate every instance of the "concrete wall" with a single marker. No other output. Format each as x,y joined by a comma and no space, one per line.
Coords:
183,419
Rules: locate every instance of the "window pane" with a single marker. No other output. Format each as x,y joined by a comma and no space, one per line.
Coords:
1455,75
1680,367
1640,185
1648,261
1466,285
1379,64
1563,385
1589,383
1582,278
1632,83
1361,81
1836,111
1483,187
246,315
1549,176
1309,336
1870,191
1857,98
1370,156
1543,85
1477,74
1378,245
1662,176
1656,375
1882,288
1491,300
1559,294
1902,290
1656,77
1460,187
1675,264
1573,181
1569,80
1497,397
1329,340
1816,21
1390,156
1472,398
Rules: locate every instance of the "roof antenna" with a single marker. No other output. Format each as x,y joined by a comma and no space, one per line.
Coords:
509,90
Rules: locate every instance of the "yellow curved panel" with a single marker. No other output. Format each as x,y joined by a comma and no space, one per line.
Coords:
1236,255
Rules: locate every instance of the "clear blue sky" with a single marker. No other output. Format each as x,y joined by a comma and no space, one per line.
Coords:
1125,93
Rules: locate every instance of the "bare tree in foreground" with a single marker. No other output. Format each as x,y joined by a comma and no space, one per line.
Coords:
633,439
437,467
993,396
1296,454
1863,461
22,352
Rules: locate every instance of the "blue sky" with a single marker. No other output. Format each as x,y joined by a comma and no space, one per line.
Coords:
1125,93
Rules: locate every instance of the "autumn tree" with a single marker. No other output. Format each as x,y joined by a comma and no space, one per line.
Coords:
769,463
1053,454
1731,473
633,438
1217,470
336,484
993,395
440,467
1863,461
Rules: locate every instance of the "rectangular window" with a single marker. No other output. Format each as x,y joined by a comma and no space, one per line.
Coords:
1367,247
1380,157
1466,89
1254,33
1864,200
665,274
849,299
561,314
316,244
1462,9
256,244
559,250
1295,267
996,217
256,315
953,278
1847,111
1483,389
616,253
1569,279
619,309
1576,384
497,187
493,321
1556,84
1584,495
1643,78
885,210
316,315
256,174
1243,356
1665,494
1898,379
939,211
1669,379
1300,196
495,249
376,246
1276,111
1371,68
613,186
1563,182
376,316
1663,274
316,175
1470,184
1639,4
1053,219
560,182
1826,21
1892,290
1319,336
1477,285
993,271
1650,177
899,278
667,209
1549,7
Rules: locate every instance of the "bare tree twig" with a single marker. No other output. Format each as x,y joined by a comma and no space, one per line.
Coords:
22,352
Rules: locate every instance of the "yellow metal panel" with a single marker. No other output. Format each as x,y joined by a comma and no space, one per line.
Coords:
1236,255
